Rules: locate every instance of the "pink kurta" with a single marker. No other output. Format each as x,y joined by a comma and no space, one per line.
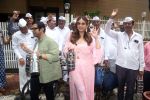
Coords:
147,56
81,79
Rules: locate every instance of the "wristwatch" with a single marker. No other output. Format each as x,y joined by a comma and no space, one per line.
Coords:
40,57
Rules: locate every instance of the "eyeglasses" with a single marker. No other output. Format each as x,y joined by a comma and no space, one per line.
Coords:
81,23
127,23
15,14
34,28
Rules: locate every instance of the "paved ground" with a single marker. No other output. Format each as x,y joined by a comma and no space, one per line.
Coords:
12,97
13,84
12,89
60,97
8,97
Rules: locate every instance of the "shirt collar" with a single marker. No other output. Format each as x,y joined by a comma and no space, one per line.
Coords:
42,38
29,32
133,35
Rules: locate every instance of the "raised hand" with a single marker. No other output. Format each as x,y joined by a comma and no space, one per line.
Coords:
114,13
21,61
94,33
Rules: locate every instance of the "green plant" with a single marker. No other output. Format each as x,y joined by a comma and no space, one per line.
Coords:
92,13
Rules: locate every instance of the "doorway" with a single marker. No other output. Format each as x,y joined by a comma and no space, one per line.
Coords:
38,12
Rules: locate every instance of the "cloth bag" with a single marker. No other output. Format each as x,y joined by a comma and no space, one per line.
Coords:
110,81
139,88
99,75
70,60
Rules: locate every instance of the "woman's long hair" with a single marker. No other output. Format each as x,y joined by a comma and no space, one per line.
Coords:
75,35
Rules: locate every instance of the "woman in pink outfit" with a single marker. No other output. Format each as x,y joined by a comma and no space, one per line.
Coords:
87,53
146,76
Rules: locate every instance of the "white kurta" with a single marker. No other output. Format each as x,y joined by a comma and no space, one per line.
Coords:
52,33
29,40
111,47
102,39
62,35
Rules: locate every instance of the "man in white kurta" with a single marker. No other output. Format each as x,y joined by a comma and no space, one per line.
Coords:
23,44
130,55
96,22
62,32
51,28
111,51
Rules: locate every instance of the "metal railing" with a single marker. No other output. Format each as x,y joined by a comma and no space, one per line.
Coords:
11,60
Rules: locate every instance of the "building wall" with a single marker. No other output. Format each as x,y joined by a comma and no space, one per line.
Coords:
126,7
47,3
78,7
7,6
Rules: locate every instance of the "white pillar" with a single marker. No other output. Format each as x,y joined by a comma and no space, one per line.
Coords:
143,29
71,17
143,26
67,18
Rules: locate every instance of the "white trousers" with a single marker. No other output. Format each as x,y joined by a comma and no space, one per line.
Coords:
23,78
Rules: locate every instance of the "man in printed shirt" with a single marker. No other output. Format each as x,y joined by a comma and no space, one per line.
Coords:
22,44
130,55
13,23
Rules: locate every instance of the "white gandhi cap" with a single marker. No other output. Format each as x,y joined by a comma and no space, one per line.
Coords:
96,18
44,20
62,18
121,23
74,21
128,19
28,15
22,23
54,18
